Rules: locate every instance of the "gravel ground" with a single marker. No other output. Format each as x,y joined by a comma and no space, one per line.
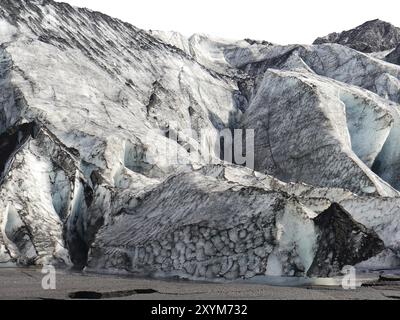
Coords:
27,284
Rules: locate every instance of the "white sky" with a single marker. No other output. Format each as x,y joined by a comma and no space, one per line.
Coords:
279,21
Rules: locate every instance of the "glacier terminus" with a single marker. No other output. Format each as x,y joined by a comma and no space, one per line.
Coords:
89,104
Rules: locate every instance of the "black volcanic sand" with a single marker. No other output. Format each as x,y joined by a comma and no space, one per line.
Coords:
26,284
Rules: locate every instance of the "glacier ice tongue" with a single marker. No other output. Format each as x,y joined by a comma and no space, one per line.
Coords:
88,104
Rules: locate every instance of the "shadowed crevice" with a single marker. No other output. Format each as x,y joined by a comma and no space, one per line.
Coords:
12,140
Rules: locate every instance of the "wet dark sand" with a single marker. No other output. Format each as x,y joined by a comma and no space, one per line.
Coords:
27,284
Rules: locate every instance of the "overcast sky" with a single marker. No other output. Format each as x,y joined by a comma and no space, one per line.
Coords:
279,21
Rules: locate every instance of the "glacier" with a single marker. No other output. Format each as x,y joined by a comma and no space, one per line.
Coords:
88,106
